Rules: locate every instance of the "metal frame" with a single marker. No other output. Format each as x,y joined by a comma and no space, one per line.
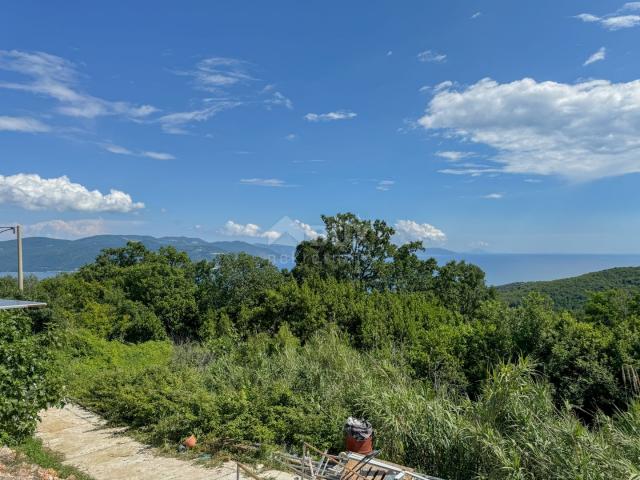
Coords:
317,465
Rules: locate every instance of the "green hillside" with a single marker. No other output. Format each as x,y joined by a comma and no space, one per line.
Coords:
571,293
43,254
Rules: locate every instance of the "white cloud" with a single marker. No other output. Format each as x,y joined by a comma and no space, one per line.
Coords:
57,78
291,137
601,54
294,228
22,124
158,155
264,182
493,196
471,171
68,228
431,57
308,231
617,20
217,73
330,116
232,83
454,156
389,53
385,185
233,229
119,150
71,229
580,131
588,18
409,231
620,22
176,123
279,100
32,192
476,15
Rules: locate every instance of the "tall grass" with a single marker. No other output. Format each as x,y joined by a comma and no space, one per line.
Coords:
275,391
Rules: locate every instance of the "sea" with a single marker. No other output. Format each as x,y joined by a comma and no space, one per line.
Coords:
502,268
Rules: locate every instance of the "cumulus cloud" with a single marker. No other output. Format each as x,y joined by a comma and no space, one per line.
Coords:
22,124
493,196
234,229
429,56
57,78
31,192
581,131
264,182
330,116
616,20
410,231
308,230
476,15
284,227
601,54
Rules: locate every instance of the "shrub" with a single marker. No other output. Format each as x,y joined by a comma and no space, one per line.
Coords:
28,379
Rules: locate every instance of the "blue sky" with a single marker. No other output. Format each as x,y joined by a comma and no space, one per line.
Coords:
503,125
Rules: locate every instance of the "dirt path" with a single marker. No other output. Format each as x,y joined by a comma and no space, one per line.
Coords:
107,454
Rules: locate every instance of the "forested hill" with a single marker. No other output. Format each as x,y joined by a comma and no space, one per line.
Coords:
572,293
42,254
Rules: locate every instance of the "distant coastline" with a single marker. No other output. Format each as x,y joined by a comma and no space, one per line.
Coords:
500,268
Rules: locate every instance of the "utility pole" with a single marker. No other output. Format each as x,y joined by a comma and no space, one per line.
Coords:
20,271
17,229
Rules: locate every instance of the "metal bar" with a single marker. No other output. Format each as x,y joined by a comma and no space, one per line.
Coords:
20,271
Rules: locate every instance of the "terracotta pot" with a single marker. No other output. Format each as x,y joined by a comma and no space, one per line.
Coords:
190,442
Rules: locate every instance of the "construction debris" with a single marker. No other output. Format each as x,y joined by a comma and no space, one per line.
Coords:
317,465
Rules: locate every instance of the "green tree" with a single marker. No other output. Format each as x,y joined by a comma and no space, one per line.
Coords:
461,287
352,249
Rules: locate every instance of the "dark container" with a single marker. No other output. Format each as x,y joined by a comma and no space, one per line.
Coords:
363,447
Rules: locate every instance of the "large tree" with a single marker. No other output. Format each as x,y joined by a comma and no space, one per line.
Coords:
352,249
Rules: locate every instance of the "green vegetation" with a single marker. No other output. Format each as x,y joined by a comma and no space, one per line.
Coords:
573,293
28,379
456,382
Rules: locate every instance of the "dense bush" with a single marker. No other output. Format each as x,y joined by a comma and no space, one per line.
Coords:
28,379
272,389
